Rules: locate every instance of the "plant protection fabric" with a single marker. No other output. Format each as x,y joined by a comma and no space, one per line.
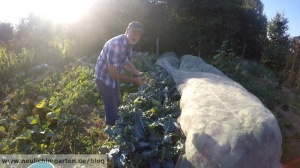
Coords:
225,125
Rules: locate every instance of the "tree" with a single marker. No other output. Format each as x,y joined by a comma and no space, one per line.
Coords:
110,18
210,22
181,25
292,68
277,48
47,39
253,32
278,30
6,32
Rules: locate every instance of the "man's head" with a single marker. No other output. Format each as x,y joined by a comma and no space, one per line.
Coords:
134,32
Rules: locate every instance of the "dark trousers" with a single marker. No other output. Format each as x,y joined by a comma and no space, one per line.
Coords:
111,99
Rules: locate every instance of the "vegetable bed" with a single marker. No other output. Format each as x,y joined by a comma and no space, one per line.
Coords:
147,133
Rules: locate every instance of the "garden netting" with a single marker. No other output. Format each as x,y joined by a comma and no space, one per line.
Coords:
225,125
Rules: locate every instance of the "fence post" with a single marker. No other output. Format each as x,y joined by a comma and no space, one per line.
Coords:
157,46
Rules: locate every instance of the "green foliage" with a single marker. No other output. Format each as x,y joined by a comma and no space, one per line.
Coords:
211,22
292,68
12,63
276,51
143,61
44,115
223,55
275,57
278,30
248,74
6,32
257,70
147,132
182,26
61,48
49,42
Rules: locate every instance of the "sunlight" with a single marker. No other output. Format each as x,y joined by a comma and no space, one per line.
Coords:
62,10
57,10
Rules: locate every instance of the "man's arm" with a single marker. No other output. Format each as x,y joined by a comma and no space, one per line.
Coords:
113,73
131,68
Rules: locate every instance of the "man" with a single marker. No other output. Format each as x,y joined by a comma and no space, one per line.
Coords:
114,57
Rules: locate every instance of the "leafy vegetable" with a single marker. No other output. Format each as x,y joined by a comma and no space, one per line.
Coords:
147,132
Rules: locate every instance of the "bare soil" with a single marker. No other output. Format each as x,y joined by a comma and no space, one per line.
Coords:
94,120
288,115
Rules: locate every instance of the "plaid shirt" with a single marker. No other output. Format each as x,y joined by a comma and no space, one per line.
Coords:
116,52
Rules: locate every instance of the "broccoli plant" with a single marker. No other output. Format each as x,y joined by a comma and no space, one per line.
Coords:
147,132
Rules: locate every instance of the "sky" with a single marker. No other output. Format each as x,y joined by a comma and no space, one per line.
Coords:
290,9
58,10
61,10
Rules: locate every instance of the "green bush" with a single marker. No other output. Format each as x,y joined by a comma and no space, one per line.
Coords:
274,58
248,74
12,63
45,116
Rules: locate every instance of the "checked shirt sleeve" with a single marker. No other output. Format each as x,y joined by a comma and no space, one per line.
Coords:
114,53
129,58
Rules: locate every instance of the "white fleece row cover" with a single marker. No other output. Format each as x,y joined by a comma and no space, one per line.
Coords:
225,125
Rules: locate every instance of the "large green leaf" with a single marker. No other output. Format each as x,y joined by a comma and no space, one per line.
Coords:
32,120
140,125
120,161
41,104
168,124
166,153
26,135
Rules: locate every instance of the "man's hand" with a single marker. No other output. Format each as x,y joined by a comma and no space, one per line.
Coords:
138,81
140,74
113,73
131,68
